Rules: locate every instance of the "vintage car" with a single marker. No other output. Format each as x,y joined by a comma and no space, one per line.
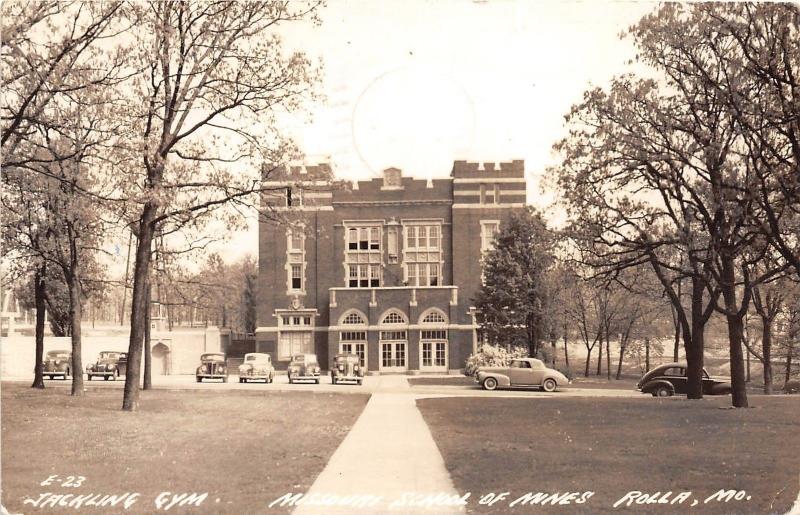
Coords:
521,373
669,379
346,367
57,363
109,365
212,366
257,365
303,367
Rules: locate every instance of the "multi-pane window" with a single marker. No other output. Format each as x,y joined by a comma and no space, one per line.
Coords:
394,335
294,197
353,319
423,255
393,318
434,347
297,320
490,193
363,256
434,317
296,260
489,230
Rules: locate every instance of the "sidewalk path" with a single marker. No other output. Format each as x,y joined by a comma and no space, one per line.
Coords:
389,453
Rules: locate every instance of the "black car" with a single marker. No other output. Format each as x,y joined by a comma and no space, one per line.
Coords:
109,365
670,379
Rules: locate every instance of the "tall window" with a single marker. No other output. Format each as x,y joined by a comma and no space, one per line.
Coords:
423,255
363,256
296,260
489,230
392,244
291,343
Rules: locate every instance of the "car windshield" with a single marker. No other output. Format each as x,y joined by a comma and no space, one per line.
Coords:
212,357
109,355
58,354
347,359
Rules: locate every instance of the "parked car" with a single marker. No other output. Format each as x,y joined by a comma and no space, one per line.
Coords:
521,373
304,367
257,365
346,367
57,363
212,366
109,365
668,379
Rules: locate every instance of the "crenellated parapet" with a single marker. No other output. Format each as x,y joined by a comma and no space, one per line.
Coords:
488,184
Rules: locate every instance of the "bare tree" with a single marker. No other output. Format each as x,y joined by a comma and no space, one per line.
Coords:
212,77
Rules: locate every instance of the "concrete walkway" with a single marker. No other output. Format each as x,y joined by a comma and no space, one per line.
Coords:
388,462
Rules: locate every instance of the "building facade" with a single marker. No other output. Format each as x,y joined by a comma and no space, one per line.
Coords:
386,268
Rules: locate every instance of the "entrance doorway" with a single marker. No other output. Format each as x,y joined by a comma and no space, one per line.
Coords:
393,356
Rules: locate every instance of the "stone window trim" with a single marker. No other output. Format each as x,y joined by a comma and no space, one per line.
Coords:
433,317
393,317
296,264
487,239
353,317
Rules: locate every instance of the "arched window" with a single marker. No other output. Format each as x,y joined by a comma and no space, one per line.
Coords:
434,317
353,318
393,318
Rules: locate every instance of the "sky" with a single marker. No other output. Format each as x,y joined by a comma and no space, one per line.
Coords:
418,84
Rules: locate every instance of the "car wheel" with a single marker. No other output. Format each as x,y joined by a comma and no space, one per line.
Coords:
360,382
317,381
241,379
115,376
662,391
333,380
199,379
105,378
271,378
290,380
490,383
88,377
224,379
68,373
549,385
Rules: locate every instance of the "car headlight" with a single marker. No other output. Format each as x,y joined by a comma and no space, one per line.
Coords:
203,369
58,362
221,370
341,368
109,367
356,368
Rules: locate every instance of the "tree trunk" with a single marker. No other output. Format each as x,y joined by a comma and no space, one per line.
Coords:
553,351
694,342
735,332
623,344
608,357
147,383
73,283
588,357
676,346
747,377
600,357
566,352
130,400
38,293
766,344
789,356
647,354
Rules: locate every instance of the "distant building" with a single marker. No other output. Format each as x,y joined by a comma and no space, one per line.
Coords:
386,268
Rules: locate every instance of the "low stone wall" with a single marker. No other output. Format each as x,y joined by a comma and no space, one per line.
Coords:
175,352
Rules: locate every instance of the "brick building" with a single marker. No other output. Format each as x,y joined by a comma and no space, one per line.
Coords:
386,268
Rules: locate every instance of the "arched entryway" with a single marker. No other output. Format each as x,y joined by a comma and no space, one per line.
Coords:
161,362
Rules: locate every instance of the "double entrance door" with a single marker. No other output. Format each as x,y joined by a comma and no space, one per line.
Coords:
394,357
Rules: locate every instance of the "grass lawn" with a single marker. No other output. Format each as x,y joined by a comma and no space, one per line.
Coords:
613,446
593,382
244,448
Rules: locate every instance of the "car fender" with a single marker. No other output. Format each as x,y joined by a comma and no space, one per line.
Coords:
652,385
721,389
558,377
502,379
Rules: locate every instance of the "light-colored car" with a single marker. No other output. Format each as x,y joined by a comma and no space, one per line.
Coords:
57,363
212,366
521,373
304,367
256,365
